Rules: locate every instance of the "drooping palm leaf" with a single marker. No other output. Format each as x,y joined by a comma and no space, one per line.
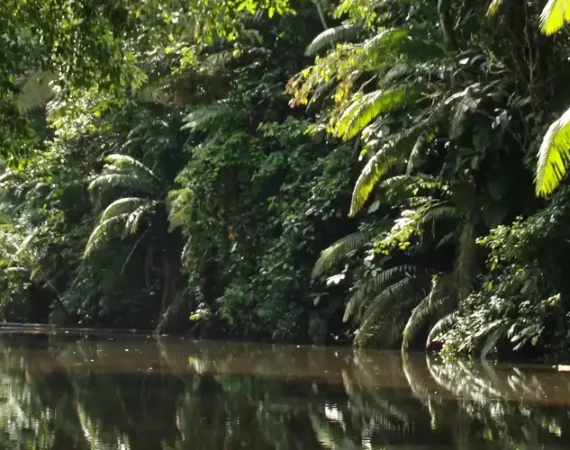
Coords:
494,8
129,182
440,327
439,212
369,289
104,231
330,36
339,250
396,295
375,168
121,206
554,16
553,156
135,218
123,163
436,303
363,110
203,117
417,155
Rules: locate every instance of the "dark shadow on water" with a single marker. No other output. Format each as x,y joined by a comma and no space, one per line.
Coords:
70,392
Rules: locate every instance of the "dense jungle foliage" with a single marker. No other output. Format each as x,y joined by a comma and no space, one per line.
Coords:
381,172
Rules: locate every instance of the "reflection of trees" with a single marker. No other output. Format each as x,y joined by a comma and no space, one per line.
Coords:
177,395
502,406
36,408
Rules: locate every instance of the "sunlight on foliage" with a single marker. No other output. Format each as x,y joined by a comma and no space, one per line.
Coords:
553,156
554,16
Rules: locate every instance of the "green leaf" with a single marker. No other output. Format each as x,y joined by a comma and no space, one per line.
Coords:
553,156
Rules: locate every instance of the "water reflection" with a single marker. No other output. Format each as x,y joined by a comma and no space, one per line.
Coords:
129,394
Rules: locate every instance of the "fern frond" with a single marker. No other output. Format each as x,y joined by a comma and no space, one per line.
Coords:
363,110
330,36
368,290
441,326
105,231
554,16
201,118
339,250
121,206
553,156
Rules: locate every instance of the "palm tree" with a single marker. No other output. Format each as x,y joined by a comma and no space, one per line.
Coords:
141,212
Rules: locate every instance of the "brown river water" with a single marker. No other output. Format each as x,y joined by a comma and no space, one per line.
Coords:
65,391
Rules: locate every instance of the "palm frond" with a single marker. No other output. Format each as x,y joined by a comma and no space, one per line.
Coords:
203,117
339,250
105,231
330,36
121,206
417,155
553,156
369,289
123,163
135,217
494,8
439,212
554,16
129,182
447,239
399,293
440,327
440,297
376,167
366,108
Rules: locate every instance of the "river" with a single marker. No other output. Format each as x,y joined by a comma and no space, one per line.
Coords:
66,391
